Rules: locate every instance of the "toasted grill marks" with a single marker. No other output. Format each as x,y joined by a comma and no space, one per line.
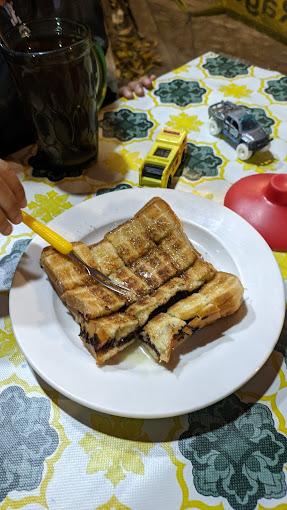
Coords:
179,249
213,295
155,268
192,279
201,271
158,219
220,297
106,329
130,241
136,284
143,308
92,302
63,273
106,258
84,253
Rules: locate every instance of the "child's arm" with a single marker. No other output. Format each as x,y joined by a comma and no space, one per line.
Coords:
12,197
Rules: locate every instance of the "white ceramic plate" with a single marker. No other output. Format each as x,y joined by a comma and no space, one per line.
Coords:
209,366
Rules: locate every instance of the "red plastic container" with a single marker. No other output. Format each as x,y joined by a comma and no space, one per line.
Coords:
262,200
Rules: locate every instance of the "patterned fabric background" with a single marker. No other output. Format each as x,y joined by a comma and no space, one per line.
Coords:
58,455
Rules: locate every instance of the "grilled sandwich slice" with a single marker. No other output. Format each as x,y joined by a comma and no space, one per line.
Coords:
129,255
153,256
220,297
104,335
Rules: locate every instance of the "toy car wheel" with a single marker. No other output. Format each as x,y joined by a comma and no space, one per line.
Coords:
243,152
214,127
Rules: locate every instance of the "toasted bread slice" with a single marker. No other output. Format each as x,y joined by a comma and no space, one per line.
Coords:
130,240
118,326
220,297
62,272
158,219
106,258
169,293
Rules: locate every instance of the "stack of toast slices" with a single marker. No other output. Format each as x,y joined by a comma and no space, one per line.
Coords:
173,290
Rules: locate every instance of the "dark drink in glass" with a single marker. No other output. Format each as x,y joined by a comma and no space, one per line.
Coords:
60,74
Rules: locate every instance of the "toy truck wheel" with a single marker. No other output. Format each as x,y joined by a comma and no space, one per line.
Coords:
214,127
243,152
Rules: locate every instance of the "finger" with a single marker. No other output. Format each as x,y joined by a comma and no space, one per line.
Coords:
16,167
137,88
5,226
126,92
15,186
146,81
9,204
3,165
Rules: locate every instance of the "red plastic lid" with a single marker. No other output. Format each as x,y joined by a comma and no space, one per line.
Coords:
262,200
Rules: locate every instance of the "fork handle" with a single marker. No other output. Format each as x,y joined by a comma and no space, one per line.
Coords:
58,242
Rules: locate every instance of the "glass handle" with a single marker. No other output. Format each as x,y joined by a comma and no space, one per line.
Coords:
101,68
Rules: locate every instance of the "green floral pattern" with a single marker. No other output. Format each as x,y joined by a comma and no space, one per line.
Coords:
261,117
200,161
277,89
102,191
125,125
236,453
223,66
180,92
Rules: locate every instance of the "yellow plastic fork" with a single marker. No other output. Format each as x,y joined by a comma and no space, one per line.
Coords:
66,248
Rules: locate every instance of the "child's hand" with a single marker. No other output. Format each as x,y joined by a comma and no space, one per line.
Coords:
137,87
12,197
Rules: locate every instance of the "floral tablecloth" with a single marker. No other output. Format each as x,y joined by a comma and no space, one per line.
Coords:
55,454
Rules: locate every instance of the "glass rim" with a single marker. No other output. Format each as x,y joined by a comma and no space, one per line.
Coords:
56,51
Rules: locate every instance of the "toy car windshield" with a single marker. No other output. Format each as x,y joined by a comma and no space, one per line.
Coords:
153,171
162,153
248,122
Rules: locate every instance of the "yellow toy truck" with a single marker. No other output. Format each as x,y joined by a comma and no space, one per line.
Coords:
163,159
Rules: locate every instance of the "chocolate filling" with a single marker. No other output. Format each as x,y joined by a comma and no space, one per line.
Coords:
118,343
146,340
94,341
172,301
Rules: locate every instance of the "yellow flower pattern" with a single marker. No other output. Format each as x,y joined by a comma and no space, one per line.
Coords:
8,344
282,261
113,504
182,69
112,451
185,121
48,206
123,161
207,195
234,90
